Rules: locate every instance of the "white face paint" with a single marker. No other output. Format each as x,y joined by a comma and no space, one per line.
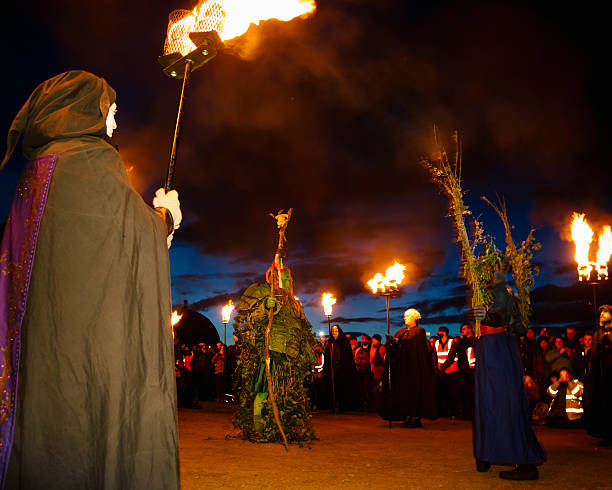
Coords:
111,125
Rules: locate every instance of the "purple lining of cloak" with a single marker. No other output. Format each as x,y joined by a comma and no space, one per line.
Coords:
16,260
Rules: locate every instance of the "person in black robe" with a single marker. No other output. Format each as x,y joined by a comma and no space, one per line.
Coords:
598,389
339,371
409,382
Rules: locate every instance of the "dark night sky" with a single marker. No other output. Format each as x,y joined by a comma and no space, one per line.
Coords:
329,115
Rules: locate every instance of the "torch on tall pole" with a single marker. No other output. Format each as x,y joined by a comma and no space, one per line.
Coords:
226,313
185,50
195,36
591,272
388,286
328,300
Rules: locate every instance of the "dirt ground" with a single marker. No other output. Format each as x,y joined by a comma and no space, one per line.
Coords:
358,451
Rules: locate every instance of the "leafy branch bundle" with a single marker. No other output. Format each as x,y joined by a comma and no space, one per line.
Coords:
477,268
519,258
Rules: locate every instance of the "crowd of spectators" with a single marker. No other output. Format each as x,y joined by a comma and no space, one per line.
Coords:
205,373
556,367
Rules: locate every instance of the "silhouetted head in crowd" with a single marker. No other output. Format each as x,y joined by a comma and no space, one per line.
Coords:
605,317
565,375
467,331
443,333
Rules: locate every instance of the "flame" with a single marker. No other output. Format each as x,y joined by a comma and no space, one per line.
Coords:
394,275
226,311
582,236
175,318
230,18
328,300
603,254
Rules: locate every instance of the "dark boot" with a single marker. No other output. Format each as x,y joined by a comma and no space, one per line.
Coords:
521,472
482,466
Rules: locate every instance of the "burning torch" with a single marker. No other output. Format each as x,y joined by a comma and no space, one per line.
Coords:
195,37
388,285
226,313
328,301
174,319
591,272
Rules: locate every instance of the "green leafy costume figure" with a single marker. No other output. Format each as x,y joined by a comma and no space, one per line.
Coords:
277,356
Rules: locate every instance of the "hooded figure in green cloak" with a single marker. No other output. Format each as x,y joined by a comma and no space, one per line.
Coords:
95,406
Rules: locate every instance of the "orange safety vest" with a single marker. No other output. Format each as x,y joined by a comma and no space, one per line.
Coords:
471,357
443,355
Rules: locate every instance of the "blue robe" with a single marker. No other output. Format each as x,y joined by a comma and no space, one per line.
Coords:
502,429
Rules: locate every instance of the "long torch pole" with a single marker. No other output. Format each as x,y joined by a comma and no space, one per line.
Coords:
331,362
387,315
390,395
595,304
177,128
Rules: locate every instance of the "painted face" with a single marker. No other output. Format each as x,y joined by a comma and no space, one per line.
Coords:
605,318
558,342
111,124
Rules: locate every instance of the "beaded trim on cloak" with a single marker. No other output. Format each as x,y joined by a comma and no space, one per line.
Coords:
16,261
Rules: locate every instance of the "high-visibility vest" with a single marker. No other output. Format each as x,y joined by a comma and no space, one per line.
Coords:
471,357
573,398
442,352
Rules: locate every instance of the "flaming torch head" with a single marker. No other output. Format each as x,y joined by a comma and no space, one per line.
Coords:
175,318
226,311
227,19
603,254
582,236
394,275
328,301
377,283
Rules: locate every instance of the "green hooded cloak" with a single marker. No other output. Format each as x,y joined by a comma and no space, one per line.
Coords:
96,406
